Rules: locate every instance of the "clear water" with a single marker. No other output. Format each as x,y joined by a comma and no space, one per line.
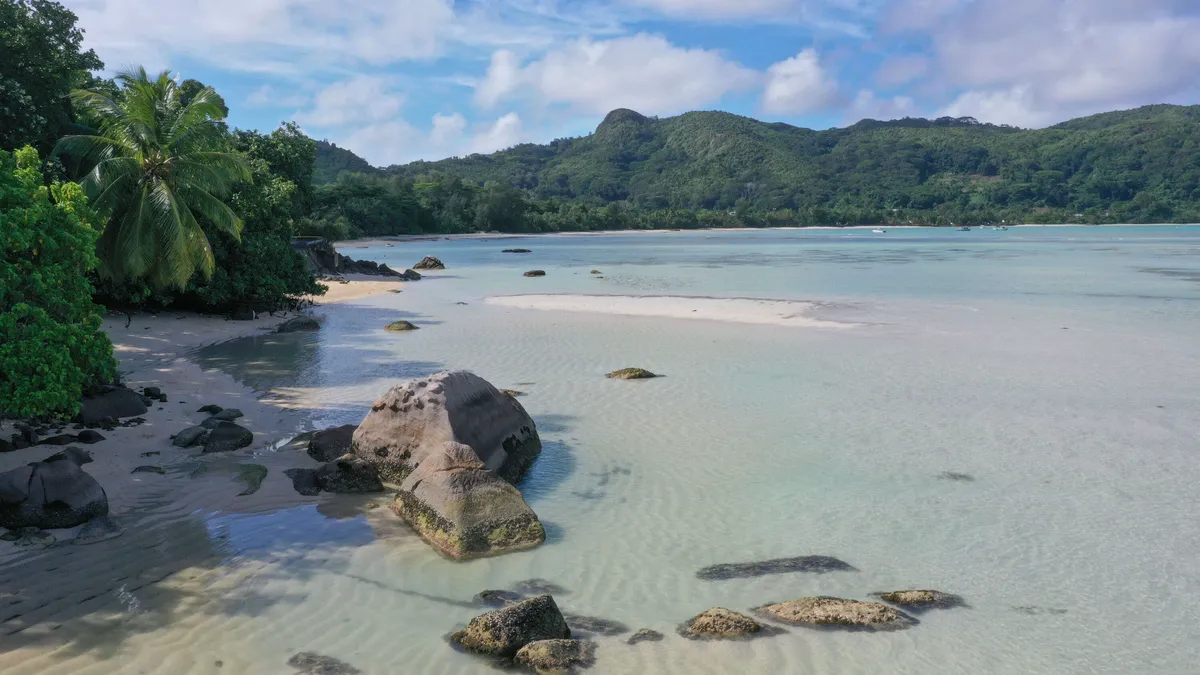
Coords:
1057,366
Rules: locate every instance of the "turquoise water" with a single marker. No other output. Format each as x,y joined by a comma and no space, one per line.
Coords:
1056,366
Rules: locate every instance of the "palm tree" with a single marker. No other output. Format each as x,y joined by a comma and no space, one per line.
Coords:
157,169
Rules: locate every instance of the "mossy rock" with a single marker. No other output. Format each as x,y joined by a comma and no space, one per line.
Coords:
503,632
719,623
836,613
921,600
631,374
535,273
556,656
401,326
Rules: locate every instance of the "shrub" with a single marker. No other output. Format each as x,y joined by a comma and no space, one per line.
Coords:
51,345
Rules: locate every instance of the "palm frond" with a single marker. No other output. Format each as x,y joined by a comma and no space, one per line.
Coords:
212,209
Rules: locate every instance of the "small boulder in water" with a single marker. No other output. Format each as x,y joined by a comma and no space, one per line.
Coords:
90,436
719,623
310,663
304,481
401,326
497,598
597,272
327,445
97,530
922,600
299,324
429,263
631,374
52,494
226,437
410,275
190,437
645,635
536,273
211,409
516,250
836,612
556,656
816,564
503,632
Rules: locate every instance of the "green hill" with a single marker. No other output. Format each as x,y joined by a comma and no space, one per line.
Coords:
1139,165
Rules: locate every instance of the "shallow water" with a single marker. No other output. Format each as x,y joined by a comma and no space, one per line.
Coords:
1055,366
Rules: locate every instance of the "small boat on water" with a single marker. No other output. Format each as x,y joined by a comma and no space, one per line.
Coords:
879,231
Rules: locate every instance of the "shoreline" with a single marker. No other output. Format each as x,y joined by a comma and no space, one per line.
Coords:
760,311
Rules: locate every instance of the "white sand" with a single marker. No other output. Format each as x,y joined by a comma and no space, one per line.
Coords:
736,310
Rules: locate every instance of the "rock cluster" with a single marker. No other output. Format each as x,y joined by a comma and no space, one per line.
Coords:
503,632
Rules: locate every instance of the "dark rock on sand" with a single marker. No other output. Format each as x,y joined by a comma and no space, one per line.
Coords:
348,475
429,263
503,632
90,436
111,402
310,663
327,445
631,374
516,250
556,656
52,494
210,423
62,439
97,530
816,564
72,453
645,635
191,436
304,481
251,476
6,446
719,623
922,600
410,275
150,469
211,409
226,437
228,414
401,326
497,598
152,392
837,613
536,273
299,324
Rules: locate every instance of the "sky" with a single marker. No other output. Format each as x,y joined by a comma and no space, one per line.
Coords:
400,80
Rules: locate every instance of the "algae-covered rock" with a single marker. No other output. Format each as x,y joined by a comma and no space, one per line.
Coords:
504,631
921,600
463,510
719,623
631,374
401,326
556,656
812,564
415,420
429,263
836,612
645,635
536,273
251,476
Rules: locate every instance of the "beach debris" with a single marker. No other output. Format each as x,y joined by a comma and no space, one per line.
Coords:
311,663
211,409
504,631
497,598
299,324
51,494
410,275
719,623
150,469
920,601
516,250
536,273
463,510
631,374
189,437
429,263
955,476
401,326
645,635
97,530
304,481
556,656
228,414
816,564
251,476
226,437
327,445
111,403
837,613
89,437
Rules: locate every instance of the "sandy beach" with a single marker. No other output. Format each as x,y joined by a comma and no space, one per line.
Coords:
735,310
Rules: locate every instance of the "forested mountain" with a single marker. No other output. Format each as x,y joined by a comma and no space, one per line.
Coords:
1137,166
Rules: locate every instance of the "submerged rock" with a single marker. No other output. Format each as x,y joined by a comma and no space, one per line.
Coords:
503,632
149,469
836,612
645,635
539,587
719,623
816,564
189,437
955,476
348,475
226,437
631,374
211,409
922,600
516,250
31,537
310,663
111,402
304,481
463,510
299,324
497,598
251,476
401,326
97,530
413,421
556,656
536,273
329,444
429,263
594,625
52,494
61,439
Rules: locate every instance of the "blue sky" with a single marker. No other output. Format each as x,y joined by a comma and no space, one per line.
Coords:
398,80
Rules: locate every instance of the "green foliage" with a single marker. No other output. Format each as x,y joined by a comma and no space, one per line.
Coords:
365,204
40,63
51,346
331,161
157,172
707,169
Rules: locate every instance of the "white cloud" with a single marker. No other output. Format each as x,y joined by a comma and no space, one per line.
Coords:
268,96
363,98
900,70
395,141
643,72
718,8
447,130
501,134
867,106
798,85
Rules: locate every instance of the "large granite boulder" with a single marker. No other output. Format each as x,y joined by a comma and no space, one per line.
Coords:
503,632
55,493
414,421
463,510
327,445
556,656
836,612
111,403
